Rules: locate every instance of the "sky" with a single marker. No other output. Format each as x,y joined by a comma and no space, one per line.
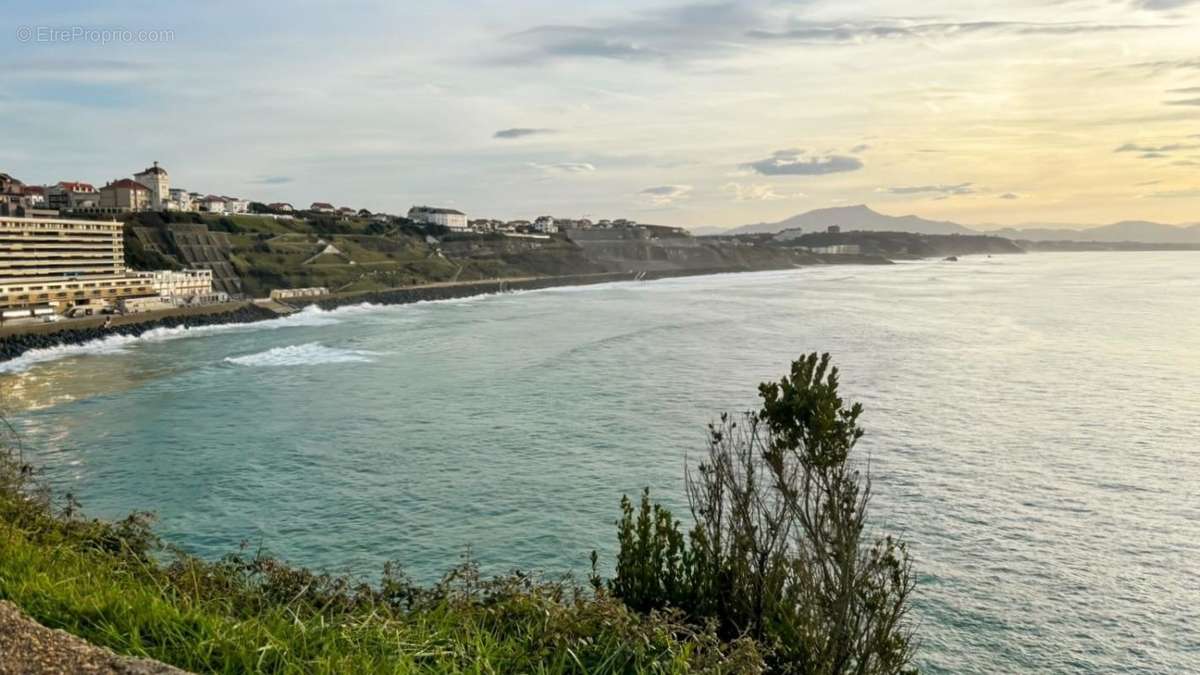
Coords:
702,114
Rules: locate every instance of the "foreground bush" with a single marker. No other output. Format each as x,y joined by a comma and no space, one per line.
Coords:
779,550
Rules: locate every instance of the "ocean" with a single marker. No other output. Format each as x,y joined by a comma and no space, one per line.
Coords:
1032,422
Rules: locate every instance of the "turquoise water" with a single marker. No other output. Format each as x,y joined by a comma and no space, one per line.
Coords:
1032,423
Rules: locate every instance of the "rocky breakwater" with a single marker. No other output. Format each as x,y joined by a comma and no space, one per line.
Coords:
18,342
452,291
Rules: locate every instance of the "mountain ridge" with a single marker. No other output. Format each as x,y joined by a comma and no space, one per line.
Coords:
862,217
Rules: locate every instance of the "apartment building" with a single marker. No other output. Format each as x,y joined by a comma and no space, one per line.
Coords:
180,284
451,219
58,262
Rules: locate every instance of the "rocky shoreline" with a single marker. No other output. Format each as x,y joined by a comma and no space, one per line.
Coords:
14,345
404,296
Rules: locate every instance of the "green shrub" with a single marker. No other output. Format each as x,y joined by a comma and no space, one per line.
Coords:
778,551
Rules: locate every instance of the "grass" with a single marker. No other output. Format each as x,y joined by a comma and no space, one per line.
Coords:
115,585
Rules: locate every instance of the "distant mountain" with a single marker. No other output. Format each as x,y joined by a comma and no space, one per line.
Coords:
1126,230
861,217
858,217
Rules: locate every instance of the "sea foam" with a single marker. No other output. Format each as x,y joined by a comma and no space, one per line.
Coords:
310,354
115,344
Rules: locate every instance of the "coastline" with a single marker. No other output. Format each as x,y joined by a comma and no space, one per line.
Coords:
18,340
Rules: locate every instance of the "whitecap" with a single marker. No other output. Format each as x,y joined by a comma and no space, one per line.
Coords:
113,344
310,317
310,354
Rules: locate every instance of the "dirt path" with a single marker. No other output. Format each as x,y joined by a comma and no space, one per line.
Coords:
29,648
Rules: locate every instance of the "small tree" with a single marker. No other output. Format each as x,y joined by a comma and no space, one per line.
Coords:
779,549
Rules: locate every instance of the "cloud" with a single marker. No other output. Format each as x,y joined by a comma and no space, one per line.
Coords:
79,70
755,192
858,32
520,132
947,190
1010,195
683,31
796,163
1184,90
859,149
1175,194
662,195
700,30
1164,66
272,180
564,167
1161,5
1156,151
1187,101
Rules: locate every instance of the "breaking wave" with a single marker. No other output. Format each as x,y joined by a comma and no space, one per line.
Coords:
115,344
311,354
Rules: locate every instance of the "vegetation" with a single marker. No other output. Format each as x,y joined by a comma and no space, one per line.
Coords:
253,614
773,577
268,253
907,244
778,552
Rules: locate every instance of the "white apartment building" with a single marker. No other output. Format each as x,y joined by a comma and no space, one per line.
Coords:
545,225
179,285
180,200
58,262
212,204
450,219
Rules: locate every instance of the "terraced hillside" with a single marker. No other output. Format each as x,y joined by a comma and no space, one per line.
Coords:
252,255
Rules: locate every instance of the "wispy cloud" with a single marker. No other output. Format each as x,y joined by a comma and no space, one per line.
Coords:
520,132
662,195
947,190
1175,194
1156,151
867,31
272,180
859,149
689,30
1162,5
564,167
1168,65
799,163
1187,101
755,192
1010,195
81,70
706,29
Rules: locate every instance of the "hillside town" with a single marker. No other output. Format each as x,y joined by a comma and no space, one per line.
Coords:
64,246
